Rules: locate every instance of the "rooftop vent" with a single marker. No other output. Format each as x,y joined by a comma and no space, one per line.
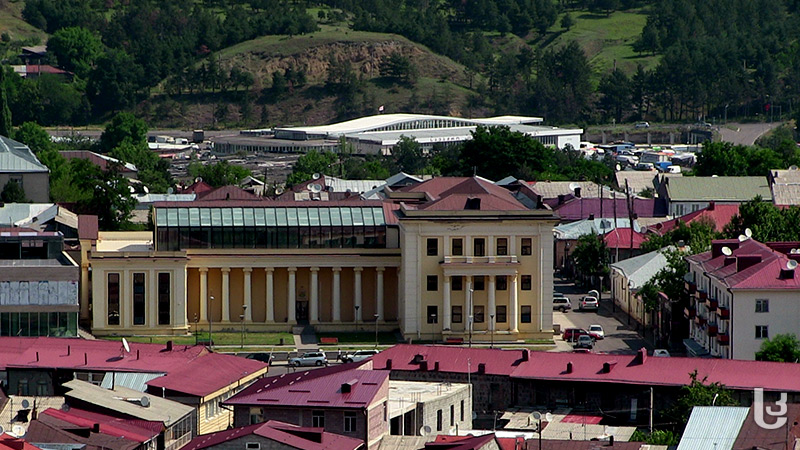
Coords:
641,356
482,368
473,203
418,359
608,366
347,387
569,367
525,354
745,261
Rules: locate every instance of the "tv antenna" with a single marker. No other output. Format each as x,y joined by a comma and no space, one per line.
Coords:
727,251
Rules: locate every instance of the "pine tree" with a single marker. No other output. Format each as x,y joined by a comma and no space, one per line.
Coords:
5,112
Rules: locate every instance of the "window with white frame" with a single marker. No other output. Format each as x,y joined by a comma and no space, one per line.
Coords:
762,332
762,305
318,419
349,422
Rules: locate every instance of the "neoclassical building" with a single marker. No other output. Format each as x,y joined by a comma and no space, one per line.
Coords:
430,259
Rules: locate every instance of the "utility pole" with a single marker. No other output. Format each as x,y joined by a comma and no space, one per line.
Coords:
651,410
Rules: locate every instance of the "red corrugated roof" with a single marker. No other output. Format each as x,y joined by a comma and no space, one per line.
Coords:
452,193
673,371
8,442
102,355
318,389
763,273
287,434
228,193
621,238
198,188
460,442
109,425
719,215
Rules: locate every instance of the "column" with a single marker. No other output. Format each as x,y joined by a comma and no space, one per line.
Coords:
446,309
379,295
314,304
337,291
513,308
492,306
467,302
84,302
248,295
291,288
151,308
203,315
357,292
270,306
226,294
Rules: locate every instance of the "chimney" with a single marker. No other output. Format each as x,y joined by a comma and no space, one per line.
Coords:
578,192
525,354
482,368
607,366
69,350
745,261
169,346
710,206
729,260
37,356
137,354
85,359
569,367
436,366
591,216
96,428
423,365
389,364
347,387
418,359
560,199
641,356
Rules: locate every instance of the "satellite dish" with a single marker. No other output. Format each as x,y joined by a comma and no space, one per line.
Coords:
791,264
619,168
65,407
643,230
144,401
316,188
126,345
742,238
727,251
425,430
316,176
146,189
748,232
573,186
130,188
2,430
537,415
548,417
198,179
18,431
279,190
792,167
26,404
170,191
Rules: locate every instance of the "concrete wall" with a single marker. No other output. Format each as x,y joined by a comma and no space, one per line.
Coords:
36,185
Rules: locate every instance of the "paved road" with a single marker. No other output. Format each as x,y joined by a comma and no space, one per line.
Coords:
745,134
620,338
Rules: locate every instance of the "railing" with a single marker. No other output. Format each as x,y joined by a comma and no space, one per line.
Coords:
691,287
712,304
700,320
723,313
712,329
689,312
723,339
702,295
481,259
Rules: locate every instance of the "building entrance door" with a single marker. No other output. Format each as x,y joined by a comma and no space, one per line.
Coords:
301,311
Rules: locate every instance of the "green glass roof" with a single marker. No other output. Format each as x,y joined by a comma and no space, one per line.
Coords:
269,217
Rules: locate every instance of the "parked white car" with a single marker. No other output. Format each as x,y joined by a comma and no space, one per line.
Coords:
597,330
359,355
309,359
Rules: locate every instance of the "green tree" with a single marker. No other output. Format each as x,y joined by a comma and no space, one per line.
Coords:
408,155
616,91
398,67
591,255
657,437
567,22
311,163
699,393
767,222
110,197
124,127
76,49
781,348
497,152
34,136
5,112
114,81
13,193
218,174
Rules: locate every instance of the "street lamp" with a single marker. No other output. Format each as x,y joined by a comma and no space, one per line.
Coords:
433,328
491,330
241,319
471,292
196,331
376,329
210,319
357,308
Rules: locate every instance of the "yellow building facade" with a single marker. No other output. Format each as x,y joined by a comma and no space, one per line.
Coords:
338,266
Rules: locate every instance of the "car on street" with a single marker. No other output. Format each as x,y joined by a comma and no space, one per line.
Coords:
642,125
264,357
561,304
584,341
309,359
597,331
572,334
359,355
588,303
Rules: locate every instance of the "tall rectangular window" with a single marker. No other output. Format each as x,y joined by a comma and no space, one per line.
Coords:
164,298
478,313
480,283
527,248
461,411
457,282
502,246
113,299
762,305
502,283
433,314
318,419
432,282
501,314
762,332
526,282
439,420
452,415
349,422
139,299
525,317
457,315
433,246
458,247
480,247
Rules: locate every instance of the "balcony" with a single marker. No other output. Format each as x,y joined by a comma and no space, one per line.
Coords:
723,313
702,295
723,339
700,320
510,259
691,287
689,312
712,304
712,329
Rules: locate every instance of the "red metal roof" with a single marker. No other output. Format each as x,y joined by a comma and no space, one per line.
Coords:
452,193
291,435
460,442
228,193
47,428
322,390
109,425
621,238
752,265
8,442
185,366
738,374
719,215
198,187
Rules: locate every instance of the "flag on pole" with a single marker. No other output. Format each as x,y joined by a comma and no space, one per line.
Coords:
380,109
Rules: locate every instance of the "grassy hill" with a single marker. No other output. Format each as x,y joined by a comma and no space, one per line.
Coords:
18,30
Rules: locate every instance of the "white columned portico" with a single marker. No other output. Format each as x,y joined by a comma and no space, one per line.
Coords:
226,294
337,295
513,314
379,294
291,289
203,317
248,295
357,293
270,306
314,306
446,309
492,306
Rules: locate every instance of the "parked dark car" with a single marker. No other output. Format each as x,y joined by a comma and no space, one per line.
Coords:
264,357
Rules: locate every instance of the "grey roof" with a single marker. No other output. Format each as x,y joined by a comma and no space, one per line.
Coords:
160,409
16,157
786,194
713,427
131,380
19,214
552,189
704,189
574,230
640,269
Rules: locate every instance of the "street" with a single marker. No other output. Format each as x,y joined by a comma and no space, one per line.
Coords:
619,337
